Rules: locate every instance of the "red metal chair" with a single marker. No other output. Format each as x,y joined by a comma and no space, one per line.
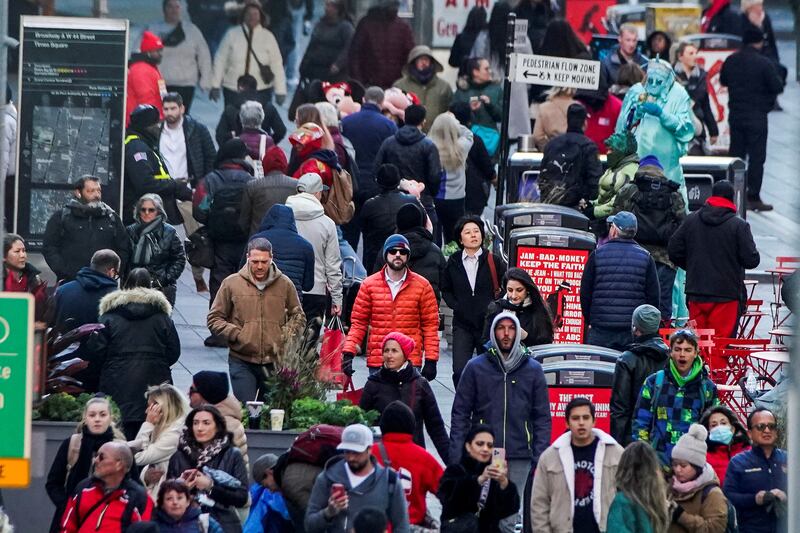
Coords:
750,319
730,358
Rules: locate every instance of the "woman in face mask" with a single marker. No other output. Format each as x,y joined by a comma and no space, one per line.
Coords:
726,438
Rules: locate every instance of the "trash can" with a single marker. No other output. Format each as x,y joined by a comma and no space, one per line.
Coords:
525,215
555,257
548,353
570,379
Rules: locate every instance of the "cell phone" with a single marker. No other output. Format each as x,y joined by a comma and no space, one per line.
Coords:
498,457
337,491
473,98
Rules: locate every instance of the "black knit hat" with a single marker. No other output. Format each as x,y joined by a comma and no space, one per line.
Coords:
410,216
213,386
388,176
397,417
723,188
231,149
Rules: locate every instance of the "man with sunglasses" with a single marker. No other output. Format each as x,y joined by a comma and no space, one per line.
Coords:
756,480
394,299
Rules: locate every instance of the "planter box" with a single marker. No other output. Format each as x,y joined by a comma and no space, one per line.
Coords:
260,441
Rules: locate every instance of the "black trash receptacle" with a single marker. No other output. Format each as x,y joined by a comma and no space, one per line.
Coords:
549,353
526,215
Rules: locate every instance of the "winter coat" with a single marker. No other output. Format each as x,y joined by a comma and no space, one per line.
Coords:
719,455
233,173
378,220
145,86
200,151
480,171
426,258
435,95
75,232
256,323
470,306
106,518
146,172
77,301
8,142
510,395
32,283
696,84
408,386
770,48
375,491
749,473
726,20
190,522
534,318
257,141
154,452
703,509
624,516
487,114
260,195
611,182
454,180
583,184
229,125
715,246
367,130
231,59
753,83
611,63
167,263
292,254
661,418
552,120
461,49
411,459
645,357
296,486
553,494
188,63
417,158
328,46
226,499
460,492
231,410
268,513
602,121
139,342
619,276
314,226
413,311
379,48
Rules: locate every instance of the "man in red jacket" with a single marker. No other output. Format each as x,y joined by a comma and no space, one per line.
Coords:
145,83
394,299
418,471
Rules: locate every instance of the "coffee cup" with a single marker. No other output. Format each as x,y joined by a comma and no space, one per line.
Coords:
276,419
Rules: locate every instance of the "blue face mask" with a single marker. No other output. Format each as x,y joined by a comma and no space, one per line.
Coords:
721,434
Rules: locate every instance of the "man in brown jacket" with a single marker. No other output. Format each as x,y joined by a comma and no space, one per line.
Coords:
256,311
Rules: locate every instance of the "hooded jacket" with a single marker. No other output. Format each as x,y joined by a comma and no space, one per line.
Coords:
714,246
553,495
375,491
367,130
77,301
139,342
508,393
703,508
533,314
643,358
256,323
415,155
580,184
76,231
190,522
145,85
378,221
426,258
292,254
314,226
434,94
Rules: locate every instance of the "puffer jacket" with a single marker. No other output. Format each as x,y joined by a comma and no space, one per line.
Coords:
200,151
83,514
231,409
647,355
611,182
426,258
414,312
378,219
144,85
703,509
415,155
408,386
619,276
553,495
292,254
168,260
139,342
314,226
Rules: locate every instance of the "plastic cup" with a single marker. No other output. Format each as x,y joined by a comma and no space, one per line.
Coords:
254,411
276,419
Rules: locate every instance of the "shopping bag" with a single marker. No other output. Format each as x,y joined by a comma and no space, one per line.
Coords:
350,392
330,353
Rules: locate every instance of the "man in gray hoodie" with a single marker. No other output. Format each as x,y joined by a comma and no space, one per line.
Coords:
352,482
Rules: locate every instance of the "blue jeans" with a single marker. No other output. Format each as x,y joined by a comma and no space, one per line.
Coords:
616,339
249,379
666,279
351,268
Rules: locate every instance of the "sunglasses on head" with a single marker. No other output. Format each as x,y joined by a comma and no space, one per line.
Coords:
763,427
147,210
394,251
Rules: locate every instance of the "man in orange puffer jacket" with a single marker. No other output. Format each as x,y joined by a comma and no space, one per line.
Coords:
394,299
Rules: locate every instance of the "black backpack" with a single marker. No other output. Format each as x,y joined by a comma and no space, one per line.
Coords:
653,206
223,214
560,171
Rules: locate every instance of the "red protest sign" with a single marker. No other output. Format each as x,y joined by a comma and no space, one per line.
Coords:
561,396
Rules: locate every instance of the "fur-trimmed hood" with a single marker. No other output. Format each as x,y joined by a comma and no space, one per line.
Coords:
135,304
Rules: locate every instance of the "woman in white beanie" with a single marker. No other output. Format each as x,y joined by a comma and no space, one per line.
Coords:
700,504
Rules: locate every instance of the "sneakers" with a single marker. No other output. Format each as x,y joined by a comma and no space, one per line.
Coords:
200,284
755,204
215,341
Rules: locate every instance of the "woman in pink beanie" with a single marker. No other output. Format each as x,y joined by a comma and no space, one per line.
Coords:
398,379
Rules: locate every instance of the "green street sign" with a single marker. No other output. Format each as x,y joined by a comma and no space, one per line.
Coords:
16,370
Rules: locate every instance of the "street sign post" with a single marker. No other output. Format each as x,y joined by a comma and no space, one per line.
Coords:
555,71
16,370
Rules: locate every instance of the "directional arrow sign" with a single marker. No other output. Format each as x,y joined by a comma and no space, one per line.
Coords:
556,71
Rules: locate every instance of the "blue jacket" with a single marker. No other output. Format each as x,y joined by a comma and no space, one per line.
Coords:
79,299
367,130
293,255
511,397
268,513
619,276
188,523
748,473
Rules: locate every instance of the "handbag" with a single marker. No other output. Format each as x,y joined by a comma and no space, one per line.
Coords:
468,522
330,353
264,70
489,136
350,392
199,249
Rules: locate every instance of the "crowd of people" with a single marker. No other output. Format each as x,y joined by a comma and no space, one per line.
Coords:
389,166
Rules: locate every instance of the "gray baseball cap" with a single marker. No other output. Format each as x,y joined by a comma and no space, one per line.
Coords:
356,438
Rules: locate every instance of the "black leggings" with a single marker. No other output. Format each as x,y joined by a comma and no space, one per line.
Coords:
449,211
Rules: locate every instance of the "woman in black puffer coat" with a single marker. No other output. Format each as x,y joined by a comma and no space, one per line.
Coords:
399,380
522,298
136,348
156,245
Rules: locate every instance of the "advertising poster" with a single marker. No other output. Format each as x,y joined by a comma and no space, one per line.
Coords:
711,61
552,269
71,116
586,17
675,19
561,396
449,17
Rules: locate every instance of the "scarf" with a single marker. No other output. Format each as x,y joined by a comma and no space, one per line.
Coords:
147,245
201,456
705,477
697,367
90,443
719,201
422,76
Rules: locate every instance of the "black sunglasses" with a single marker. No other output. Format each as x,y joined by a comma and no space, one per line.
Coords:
762,427
401,251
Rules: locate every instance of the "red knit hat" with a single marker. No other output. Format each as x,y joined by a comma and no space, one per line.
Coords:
150,42
274,159
406,343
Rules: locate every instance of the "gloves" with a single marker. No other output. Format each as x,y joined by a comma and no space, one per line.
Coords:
676,514
429,370
280,99
213,94
652,108
347,364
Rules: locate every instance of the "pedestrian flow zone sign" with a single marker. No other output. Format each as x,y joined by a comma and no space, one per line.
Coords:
16,369
555,71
